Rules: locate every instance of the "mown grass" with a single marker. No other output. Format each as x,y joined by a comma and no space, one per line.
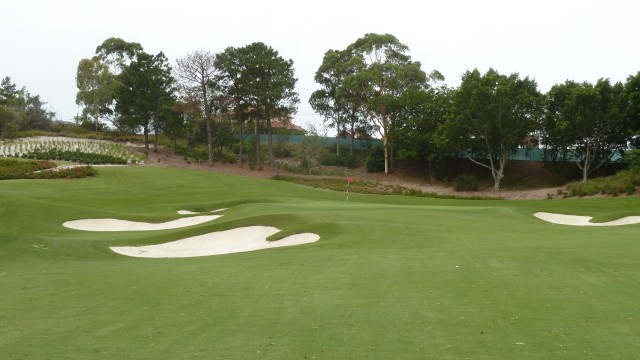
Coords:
392,277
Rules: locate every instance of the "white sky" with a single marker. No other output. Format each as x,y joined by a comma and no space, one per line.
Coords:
41,42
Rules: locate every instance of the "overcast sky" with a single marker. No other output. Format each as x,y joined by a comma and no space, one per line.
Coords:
550,41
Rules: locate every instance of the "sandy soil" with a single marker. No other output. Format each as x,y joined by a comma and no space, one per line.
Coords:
244,239
576,220
124,225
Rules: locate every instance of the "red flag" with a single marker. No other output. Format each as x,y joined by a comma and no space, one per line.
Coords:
350,179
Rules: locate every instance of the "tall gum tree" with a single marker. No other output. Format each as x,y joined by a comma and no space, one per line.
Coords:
491,117
379,71
96,88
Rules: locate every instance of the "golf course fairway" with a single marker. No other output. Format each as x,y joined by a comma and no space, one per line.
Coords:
391,277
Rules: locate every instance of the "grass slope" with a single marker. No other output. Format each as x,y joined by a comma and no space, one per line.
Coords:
391,277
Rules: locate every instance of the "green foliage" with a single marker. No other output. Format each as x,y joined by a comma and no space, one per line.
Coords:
375,160
465,182
632,157
75,156
492,115
27,111
624,182
9,130
331,159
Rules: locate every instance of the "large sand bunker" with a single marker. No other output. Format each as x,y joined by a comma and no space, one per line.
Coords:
576,220
125,225
222,242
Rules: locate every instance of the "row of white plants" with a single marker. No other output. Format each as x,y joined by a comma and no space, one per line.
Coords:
25,146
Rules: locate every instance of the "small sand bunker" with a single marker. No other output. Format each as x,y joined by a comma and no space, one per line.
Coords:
222,242
189,212
576,220
124,225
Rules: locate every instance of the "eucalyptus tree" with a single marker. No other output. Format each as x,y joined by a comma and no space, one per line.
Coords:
117,53
588,121
96,88
326,101
378,72
196,72
146,93
491,116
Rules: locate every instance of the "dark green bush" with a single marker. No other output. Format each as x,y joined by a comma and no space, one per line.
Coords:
375,160
331,159
465,182
75,156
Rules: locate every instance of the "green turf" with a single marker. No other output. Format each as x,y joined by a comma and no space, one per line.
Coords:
391,277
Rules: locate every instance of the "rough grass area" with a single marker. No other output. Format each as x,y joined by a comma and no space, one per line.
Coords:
392,277
369,187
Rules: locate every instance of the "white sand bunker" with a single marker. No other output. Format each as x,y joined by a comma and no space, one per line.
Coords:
222,242
189,212
576,220
124,225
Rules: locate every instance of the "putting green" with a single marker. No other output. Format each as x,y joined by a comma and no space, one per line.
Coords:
391,277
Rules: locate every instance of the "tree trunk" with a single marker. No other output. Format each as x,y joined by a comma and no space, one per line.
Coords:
272,164
155,140
257,135
498,174
146,137
353,135
207,121
386,154
241,122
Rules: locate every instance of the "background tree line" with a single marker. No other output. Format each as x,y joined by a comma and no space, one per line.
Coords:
374,82
21,111
137,91
370,87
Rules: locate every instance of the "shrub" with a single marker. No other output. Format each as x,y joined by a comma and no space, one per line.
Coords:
622,182
465,182
633,158
375,160
331,159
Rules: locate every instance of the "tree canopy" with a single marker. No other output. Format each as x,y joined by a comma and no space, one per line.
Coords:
491,116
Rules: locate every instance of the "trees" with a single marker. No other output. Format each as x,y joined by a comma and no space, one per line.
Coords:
326,101
587,119
96,88
19,110
97,78
146,93
232,75
196,72
423,112
259,79
379,71
491,116
631,97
